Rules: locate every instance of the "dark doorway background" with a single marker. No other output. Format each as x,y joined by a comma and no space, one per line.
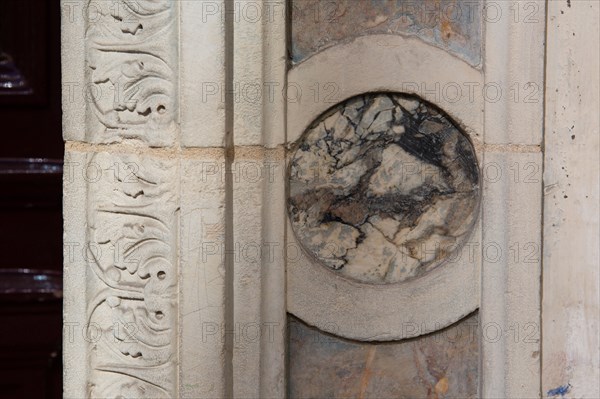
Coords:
31,153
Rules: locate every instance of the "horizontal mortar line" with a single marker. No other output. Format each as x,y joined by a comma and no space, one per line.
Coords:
120,148
258,152
518,148
245,152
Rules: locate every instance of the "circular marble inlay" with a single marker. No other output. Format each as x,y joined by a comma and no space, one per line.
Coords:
383,188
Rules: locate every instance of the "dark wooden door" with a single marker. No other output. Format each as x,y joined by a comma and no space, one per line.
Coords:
31,152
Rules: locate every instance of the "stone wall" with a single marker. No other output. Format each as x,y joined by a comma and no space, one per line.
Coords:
264,194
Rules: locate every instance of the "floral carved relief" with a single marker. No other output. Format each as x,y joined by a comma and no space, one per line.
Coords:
132,279
130,66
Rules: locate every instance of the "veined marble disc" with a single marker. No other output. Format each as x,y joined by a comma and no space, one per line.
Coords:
383,188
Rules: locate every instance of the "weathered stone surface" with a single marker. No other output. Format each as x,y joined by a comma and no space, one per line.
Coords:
454,25
383,187
571,218
131,76
203,274
439,365
132,278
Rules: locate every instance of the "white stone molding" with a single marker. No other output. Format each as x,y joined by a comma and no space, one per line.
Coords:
202,70
259,72
438,298
73,22
571,284
257,246
514,70
258,264
75,352
510,280
205,344
204,350
511,271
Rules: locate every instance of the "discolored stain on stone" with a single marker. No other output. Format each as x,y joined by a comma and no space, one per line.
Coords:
443,364
454,25
383,188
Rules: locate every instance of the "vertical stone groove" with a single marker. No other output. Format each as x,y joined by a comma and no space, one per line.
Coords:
229,222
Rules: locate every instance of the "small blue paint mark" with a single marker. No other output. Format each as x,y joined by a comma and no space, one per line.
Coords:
561,390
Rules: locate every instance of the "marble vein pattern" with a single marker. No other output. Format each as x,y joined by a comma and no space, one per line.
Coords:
383,188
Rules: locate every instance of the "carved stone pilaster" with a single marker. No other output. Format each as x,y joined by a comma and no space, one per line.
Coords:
131,290
120,102
130,82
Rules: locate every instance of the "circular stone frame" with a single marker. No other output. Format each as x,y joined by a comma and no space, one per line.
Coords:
440,297
394,221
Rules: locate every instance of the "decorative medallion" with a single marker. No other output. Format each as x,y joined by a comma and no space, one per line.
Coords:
384,187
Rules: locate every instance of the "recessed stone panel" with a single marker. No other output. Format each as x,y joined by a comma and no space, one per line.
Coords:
453,25
440,364
383,188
